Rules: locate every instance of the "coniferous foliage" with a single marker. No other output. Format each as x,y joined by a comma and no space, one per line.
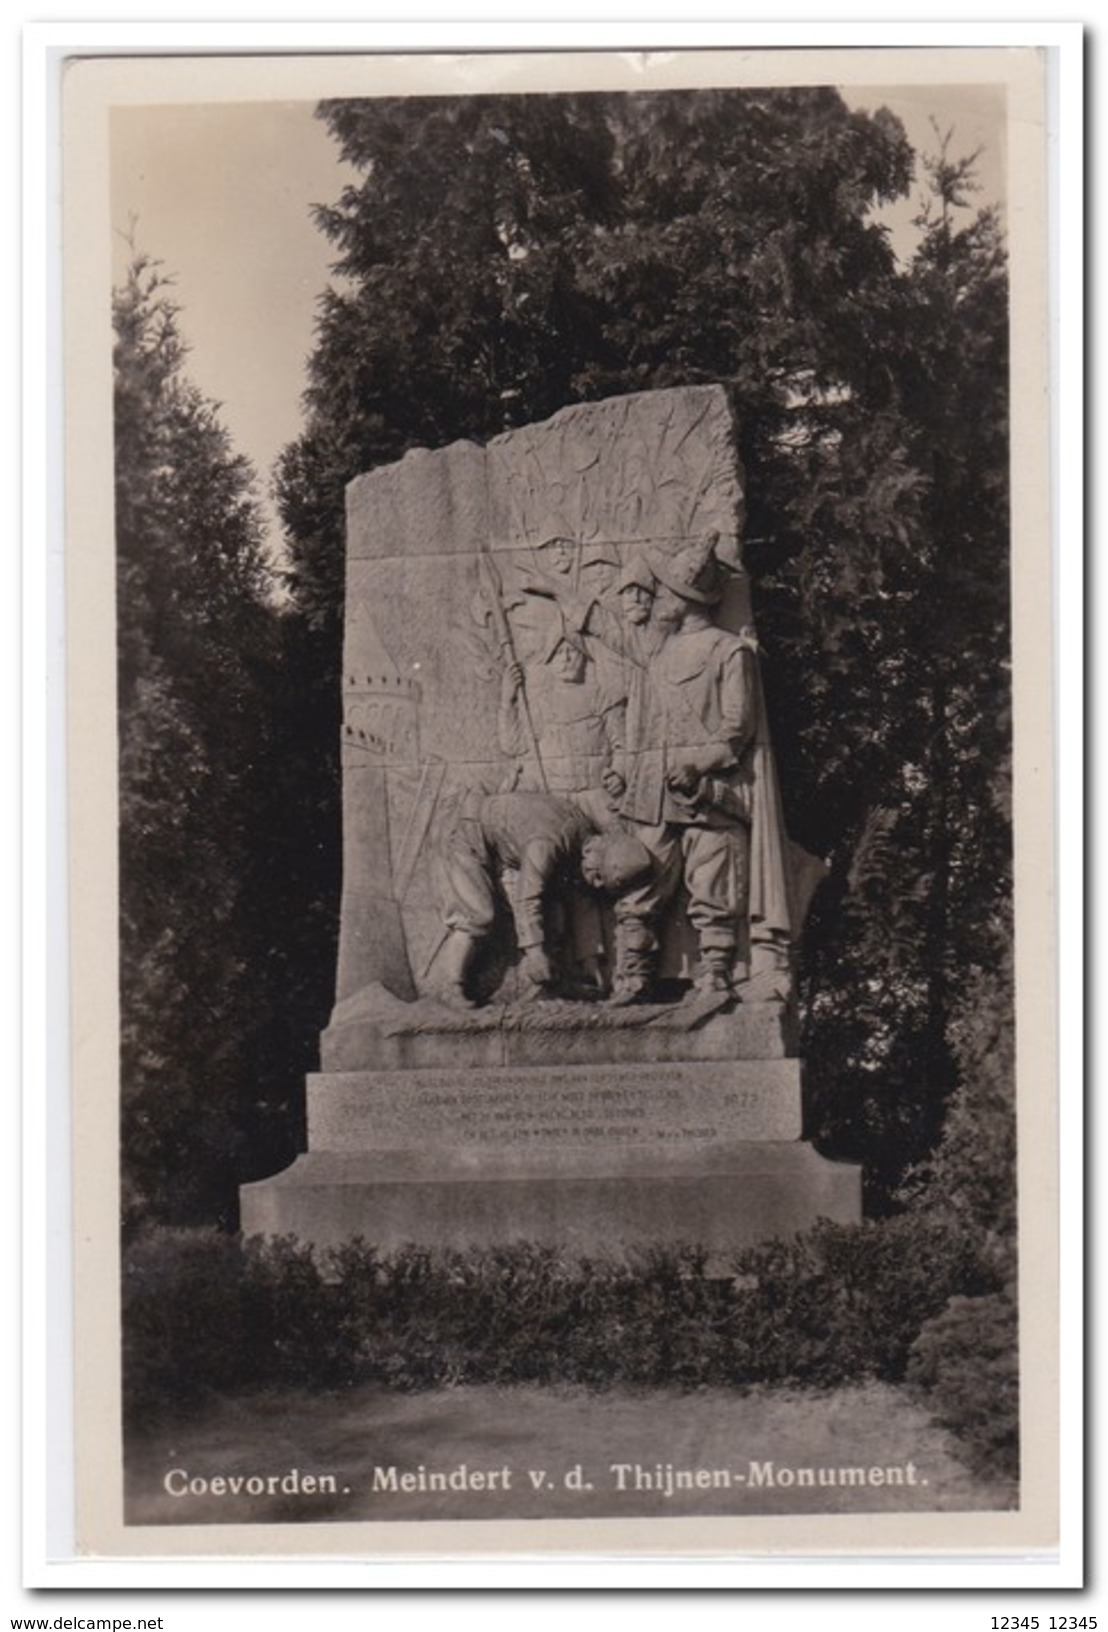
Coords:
198,657
923,889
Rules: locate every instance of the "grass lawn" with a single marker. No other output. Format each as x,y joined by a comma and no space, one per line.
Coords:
527,1452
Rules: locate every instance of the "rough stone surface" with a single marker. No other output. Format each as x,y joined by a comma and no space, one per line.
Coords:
421,672
651,465
375,1032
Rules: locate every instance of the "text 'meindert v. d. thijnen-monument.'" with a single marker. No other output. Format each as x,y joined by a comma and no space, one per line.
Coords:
564,1002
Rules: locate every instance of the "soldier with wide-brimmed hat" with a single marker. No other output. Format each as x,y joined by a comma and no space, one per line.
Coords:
688,774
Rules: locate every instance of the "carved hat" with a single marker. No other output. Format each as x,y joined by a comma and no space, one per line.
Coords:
692,570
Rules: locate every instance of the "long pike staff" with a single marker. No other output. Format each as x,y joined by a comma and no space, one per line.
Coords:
491,584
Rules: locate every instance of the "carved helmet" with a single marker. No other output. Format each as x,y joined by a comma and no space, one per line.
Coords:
635,574
692,570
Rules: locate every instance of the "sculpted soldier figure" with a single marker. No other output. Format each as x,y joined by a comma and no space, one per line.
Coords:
545,842
576,715
693,801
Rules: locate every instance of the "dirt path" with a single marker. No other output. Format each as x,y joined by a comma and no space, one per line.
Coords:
485,1453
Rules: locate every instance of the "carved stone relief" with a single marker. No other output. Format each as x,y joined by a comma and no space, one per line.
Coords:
549,654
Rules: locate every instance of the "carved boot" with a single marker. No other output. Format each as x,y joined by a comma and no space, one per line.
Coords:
628,989
454,962
635,949
713,973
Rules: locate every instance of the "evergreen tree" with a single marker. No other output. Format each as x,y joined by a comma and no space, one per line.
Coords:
921,895
195,651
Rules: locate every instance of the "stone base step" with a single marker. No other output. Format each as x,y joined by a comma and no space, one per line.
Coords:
586,1202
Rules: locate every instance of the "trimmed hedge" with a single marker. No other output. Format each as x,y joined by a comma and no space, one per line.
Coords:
205,1313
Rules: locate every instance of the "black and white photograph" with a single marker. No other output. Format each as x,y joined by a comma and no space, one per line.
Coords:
559,583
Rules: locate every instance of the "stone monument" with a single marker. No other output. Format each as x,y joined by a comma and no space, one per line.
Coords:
564,1008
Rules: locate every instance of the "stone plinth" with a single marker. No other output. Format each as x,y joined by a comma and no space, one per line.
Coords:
608,1200
595,1160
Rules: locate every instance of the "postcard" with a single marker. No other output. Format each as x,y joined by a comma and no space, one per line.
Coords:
558,584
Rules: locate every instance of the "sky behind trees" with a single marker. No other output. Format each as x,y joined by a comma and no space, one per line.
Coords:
221,194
